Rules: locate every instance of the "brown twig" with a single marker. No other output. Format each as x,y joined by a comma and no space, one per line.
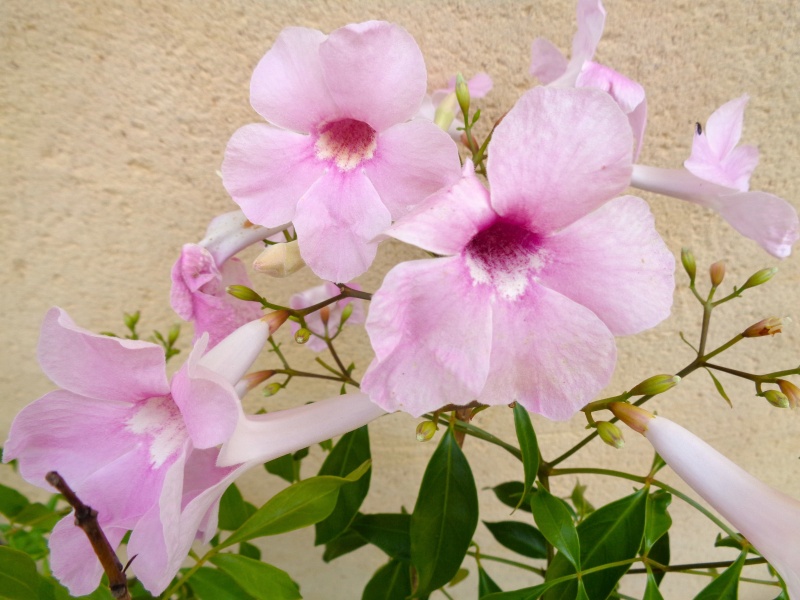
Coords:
86,519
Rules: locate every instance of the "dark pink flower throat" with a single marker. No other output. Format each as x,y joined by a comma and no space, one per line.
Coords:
346,142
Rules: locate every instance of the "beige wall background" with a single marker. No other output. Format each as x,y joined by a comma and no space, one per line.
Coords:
115,116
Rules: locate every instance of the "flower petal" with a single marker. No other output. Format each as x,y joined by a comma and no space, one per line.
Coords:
581,152
99,366
548,353
430,329
447,221
413,161
547,61
375,73
336,223
288,88
266,171
609,257
230,233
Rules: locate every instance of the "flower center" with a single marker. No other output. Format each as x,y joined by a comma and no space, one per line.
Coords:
160,419
347,143
504,255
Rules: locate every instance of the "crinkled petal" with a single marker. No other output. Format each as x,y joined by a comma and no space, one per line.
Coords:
628,93
732,170
447,221
99,366
430,328
266,170
336,223
413,160
375,73
288,87
608,257
579,157
232,232
548,353
724,127
547,61
260,438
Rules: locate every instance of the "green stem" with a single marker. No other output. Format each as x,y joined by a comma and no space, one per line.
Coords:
479,433
277,350
722,348
294,373
506,561
723,564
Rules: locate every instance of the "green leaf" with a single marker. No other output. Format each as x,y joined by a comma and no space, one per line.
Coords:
556,525
719,387
445,516
391,582
582,595
582,506
388,531
37,515
11,502
658,464
233,510
651,592
530,593
344,544
284,467
213,584
521,538
460,576
250,551
300,505
612,533
486,585
657,519
528,446
19,579
660,553
726,586
510,493
727,542
351,451
261,580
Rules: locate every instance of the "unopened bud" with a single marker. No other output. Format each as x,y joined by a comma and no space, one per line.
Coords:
251,380
610,434
324,314
791,391
272,389
657,384
689,265
346,312
426,430
462,94
762,276
242,292
302,335
446,112
634,417
275,319
280,260
717,273
131,320
173,333
769,326
776,398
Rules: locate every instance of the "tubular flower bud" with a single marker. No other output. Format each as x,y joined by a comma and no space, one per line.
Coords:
717,273
760,277
280,260
791,391
610,434
426,430
776,398
446,112
242,292
769,326
634,417
689,265
275,320
462,94
251,380
657,384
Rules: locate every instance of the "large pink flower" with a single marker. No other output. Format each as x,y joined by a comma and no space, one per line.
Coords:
341,158
536,278
717,176
138,449
551,67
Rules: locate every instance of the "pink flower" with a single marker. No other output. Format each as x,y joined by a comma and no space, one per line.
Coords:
550,66
204,270
768,518
340,158
536,278
138,449
717,176
332,313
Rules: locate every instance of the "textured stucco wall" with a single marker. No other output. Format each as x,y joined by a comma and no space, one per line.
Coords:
115,116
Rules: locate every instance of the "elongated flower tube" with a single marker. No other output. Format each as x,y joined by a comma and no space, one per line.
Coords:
768,518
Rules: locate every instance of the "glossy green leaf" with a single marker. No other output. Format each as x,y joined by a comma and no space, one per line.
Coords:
582,506
260,580
556,525
660,552
250,551
19,579
486,585
658,464
284,467
651,592
460,576
726,586
233,510
727,542
529,593
610,534
527,445
510,493
349,452
344,544
388,531
300,505
39,516
657,519
213,584
445,516
11,502
582,595
518,537
391,582
719,387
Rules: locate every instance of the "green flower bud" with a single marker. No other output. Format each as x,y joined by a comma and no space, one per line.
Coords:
791,391
302,335
446,112
426,430
242,292
610,434
717,273
462,94
687,258
131,320
762,276
776,398
272,389
657,384
346,312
